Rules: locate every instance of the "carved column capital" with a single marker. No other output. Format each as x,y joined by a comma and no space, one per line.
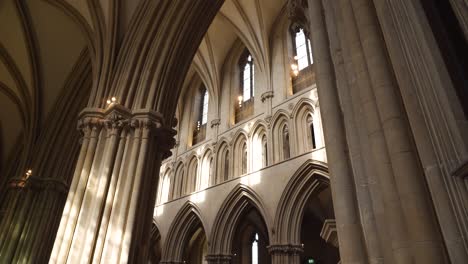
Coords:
215,122
47,184
267,95
218,258
286,249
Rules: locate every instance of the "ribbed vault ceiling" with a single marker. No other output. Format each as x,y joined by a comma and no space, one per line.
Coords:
41,40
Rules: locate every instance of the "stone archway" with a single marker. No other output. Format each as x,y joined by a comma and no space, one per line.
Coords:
236,205
186,225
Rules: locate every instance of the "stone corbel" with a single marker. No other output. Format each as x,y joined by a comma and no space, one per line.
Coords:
267,95
461,171
215,122
329,232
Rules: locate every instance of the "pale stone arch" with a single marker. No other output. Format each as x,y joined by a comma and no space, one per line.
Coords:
260,146
185,223
179,180
308,127
240,200
164,186
240,154
206,170
281,143
224,161
311,178
155,249
192,174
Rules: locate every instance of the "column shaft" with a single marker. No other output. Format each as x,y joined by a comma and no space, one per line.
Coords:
352,249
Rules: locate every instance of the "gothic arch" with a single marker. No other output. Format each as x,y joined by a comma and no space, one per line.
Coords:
260,145
187,220
237,202
306,124
240,142
179,178
192,174
155,249
206,170
311,178
280,125
224,162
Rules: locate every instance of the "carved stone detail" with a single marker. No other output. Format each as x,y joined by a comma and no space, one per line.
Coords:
267,95
329,232
215,122
286,249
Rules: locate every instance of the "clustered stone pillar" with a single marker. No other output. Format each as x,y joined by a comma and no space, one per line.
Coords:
351,241
34,200
367,88
285,254
109,207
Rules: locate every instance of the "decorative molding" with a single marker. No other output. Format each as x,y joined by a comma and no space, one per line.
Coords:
285,249
267,95
329,232
40,184
215,122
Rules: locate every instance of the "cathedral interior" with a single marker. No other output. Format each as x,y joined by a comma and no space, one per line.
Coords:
234,131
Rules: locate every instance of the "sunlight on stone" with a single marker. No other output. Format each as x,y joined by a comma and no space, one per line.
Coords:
198,197
159,210
252,179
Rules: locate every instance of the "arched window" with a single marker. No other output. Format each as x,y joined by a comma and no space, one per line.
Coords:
264,151
286,152
302,49
312,141
247,76
203,118
244,159
255,249
181,181
226,165
200,112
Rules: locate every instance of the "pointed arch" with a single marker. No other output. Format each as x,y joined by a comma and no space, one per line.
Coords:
192,174
311,178
260,146
155,249
240,154
307,125
179,180
240,200
186,222
206,172
224,162
282,142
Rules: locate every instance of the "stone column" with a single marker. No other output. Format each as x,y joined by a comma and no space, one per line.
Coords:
218,259
418,212
285,254
352,248
110,205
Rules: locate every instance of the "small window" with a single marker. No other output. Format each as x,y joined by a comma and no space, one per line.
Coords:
226,165
204,111
255,249
264,151
303,49
244,159
286,151
247,78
